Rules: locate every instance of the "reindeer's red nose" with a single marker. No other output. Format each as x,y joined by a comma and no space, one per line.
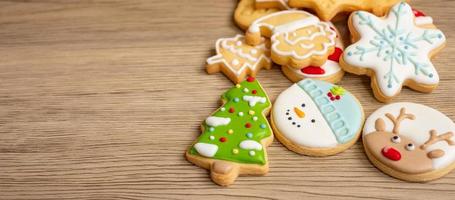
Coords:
391,153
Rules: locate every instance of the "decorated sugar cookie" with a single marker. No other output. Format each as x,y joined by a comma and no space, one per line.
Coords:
317,118
330,71
393,51
280,4
410,141
246,13
236,59
234,138
298,38
328,9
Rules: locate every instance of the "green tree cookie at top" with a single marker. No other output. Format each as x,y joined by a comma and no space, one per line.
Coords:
236,133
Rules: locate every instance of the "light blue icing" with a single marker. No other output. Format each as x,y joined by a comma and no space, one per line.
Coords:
344,116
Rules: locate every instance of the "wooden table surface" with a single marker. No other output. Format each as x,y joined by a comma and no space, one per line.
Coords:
100,99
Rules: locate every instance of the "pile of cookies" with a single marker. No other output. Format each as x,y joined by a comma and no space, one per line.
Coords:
391,43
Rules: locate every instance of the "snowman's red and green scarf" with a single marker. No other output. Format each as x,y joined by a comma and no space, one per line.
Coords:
234,132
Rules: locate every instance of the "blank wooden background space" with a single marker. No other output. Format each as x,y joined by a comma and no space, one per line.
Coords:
100,99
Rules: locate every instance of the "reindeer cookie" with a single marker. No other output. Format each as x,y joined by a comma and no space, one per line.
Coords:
394,51
410,141
298,38
330,71
236,59
317,118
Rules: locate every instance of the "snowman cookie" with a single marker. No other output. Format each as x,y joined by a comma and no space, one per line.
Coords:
280,4
317,118
236,59
298,38
395,51
330,71
234,138
410,141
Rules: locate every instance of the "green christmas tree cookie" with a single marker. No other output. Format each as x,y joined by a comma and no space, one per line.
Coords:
234,138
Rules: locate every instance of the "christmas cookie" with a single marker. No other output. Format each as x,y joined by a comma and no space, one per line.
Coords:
281,4
328,9
234,137
410,141
236,59
317,118
246,12
298,38
330,71
393,51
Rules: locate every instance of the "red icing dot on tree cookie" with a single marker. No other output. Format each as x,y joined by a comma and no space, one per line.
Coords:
254,91
223,139
231,110
312,70
248,125
337,97
336,55
250,79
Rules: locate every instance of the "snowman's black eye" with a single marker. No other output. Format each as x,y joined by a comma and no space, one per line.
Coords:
313,120
303,105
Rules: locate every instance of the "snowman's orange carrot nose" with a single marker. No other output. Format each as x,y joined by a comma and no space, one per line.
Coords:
299,112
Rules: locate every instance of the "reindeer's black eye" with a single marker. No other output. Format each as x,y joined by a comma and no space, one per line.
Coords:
410,147
396,139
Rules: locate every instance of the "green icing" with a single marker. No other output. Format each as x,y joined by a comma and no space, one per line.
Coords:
259,130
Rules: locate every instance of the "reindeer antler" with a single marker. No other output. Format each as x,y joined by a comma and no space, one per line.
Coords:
434,137
396,121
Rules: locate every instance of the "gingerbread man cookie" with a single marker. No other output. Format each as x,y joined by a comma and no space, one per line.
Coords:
236,59
234,138
317,118
410,141
298,38
328,9
280,4
393,51
330,71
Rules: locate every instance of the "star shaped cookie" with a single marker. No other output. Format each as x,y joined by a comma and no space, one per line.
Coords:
328,9
393,51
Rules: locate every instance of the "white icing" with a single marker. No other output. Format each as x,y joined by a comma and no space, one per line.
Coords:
426,119
235,62
205,149
323,27
402,69
250,145
217,121
294,25
253,100
316,135
423,20
254,51
223,44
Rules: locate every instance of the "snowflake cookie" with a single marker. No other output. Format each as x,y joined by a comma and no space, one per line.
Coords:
393,51
410,141
236,59
298,38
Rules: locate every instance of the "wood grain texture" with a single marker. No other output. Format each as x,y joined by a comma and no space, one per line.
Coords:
100,99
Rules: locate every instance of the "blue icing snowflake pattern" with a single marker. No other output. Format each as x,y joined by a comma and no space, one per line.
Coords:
395,48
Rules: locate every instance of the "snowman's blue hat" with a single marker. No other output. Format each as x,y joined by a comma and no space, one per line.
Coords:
344,115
